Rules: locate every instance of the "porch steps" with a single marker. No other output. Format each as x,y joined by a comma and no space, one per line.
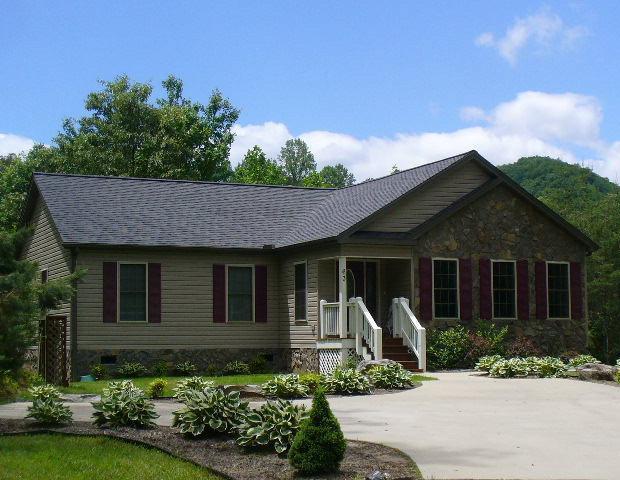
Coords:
393,349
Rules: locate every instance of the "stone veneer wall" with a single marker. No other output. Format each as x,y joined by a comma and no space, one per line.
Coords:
502,226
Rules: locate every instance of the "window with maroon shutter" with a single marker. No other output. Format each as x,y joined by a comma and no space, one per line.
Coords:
576,294
445,288
523,290
486,302
260,293
109,292
465,283
540,272
504,289
154,292
558,290
426,289
219,293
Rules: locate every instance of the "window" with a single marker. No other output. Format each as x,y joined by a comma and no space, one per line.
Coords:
300,291
132,292
445,288
558,290
44,276
240,288
504,290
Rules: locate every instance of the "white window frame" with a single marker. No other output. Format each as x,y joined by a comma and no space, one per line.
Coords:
570,313
305,319
118,292
244,265
458,287
514,263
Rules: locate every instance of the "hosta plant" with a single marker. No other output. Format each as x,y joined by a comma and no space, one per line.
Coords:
391,375
312,381
514,367
210,411
197,384
236,368
132,369
273,425
123,404
157,387
485,363
186,368
547,367
582,360
285,386
47,408
346,381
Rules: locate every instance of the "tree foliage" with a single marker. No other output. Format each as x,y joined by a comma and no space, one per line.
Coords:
297,161
257,168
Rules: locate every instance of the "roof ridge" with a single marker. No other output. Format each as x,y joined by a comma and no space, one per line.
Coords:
176,180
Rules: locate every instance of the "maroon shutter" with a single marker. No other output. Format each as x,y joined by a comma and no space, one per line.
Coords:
523,290
219,293
109,292
486,303
154,292
426,289
540,270
576,295
260,293
465,288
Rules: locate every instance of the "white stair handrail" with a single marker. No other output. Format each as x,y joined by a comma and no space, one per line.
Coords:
329,319
367,329
407,326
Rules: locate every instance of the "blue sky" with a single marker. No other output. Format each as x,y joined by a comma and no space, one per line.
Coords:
370,84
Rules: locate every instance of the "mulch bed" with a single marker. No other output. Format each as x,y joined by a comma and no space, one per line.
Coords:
224,457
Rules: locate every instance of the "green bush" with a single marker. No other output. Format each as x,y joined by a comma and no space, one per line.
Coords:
523,347
258,364
582,360
547,367
132,369
484,364
319,445
391,376
157,387
191,384
123,404
186,368
47,408
514,367
210,411
8,386
160,369
488,339
311,381
346,381
212,371
447,348
285,386
274,425
236,368
99,371
27,378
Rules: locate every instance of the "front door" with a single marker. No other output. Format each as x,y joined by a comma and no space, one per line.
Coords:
362,282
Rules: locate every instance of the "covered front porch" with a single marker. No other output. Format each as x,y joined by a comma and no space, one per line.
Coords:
364,311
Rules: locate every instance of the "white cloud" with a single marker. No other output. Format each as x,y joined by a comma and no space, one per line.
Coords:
545,30
533,123
10,143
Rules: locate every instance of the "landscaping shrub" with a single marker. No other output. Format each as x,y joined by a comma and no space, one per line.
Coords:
191,384
544,367
157,387
212,371
47,408
258,364
274,425
347,381
186,368
160,369
236,368
319,445
311,381
582,360
123,404
210,411
8,386
27,378
485,363
514,367
99,371
285,386
447,348
488,339
391,375
132,369
523,347
547,367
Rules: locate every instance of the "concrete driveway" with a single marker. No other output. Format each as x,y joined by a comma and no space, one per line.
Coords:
469,427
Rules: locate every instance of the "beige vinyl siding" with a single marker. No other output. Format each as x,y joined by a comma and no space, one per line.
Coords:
45,248
423,204
186,304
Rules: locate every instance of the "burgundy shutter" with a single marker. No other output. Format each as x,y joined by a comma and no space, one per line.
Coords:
109,292
576,295
260,293
465,288
219,293
426,289
523,290
486,303
540,270
154,292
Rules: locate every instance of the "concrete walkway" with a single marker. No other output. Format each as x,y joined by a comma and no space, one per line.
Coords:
469,427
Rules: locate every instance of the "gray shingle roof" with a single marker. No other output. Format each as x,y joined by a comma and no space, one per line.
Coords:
151,212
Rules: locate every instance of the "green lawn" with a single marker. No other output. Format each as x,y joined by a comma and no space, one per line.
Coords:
60,457
423,378
143,382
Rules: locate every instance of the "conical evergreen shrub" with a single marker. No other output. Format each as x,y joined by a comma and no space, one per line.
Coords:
319,445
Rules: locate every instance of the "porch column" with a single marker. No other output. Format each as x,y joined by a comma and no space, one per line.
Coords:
342,296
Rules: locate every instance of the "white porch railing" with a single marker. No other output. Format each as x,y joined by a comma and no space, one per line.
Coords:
330,319
407,326
365,328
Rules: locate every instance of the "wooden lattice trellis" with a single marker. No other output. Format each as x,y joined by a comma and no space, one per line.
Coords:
53,349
